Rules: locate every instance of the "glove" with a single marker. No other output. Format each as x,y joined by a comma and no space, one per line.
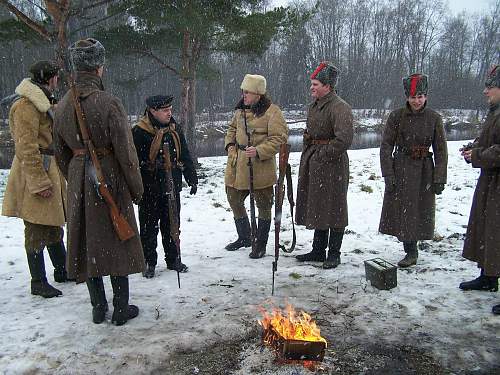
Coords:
390,183
194,189
437,188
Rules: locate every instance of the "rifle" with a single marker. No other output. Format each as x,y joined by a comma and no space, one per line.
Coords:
284,171
120,223
253,221
172,208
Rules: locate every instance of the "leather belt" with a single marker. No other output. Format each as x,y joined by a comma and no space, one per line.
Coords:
101,152
46,151
415,152
320,141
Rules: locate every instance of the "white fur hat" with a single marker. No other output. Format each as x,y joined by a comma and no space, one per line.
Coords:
254,83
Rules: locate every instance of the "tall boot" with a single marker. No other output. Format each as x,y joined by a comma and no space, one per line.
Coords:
122,312
97,299
57,253
483,282
496,309
261,240
318,253
243,230
334,245
411,256
39,284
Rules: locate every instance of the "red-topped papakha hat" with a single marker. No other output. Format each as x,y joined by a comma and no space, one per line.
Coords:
326,73
416,84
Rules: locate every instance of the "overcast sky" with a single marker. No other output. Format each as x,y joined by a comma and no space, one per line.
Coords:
471,6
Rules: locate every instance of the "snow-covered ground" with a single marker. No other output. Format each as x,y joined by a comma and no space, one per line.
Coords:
217,304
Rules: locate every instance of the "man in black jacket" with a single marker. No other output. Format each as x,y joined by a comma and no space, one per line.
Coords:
155,129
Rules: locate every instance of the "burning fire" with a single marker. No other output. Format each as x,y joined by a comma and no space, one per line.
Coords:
291,325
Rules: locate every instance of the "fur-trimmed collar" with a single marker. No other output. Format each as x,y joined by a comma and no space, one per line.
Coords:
34,94
259,108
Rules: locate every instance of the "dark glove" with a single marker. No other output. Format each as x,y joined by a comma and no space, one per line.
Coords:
194,189
390,183
437,188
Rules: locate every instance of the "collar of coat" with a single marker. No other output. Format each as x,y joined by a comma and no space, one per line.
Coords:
145,124
321,102
259,108
409,112
34,94
87,83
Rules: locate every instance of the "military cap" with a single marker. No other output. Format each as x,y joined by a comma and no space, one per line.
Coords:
493,78
326,73
415,84
43,71
87,55
159,101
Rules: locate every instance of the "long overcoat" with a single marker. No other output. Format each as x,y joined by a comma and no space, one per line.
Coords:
268,130
324,168
482,240
408,211
30,124
94,248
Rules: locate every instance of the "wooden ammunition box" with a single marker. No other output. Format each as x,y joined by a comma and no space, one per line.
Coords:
382,274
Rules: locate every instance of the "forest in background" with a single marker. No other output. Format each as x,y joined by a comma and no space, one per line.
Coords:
373,42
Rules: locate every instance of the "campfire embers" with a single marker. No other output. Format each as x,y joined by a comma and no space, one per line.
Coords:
293,336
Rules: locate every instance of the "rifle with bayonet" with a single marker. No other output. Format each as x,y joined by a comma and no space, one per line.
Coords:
284,171
120,223
253,221
172,208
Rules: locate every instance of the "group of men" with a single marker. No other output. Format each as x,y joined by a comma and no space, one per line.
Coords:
135,166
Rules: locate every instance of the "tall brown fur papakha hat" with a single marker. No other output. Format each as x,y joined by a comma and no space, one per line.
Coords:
326,73
415,84
87,55
493,78
43,70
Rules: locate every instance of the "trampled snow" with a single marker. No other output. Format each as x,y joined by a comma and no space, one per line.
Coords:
219,296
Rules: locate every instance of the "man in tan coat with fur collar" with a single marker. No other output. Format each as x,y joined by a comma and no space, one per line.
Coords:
268,130
34,190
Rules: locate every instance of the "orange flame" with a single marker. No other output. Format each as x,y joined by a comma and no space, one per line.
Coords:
291,325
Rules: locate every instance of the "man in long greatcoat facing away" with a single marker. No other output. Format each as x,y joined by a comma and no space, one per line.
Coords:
94,248
482,240
413,175
324,168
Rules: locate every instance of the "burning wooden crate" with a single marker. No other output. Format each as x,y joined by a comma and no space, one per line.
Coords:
293,336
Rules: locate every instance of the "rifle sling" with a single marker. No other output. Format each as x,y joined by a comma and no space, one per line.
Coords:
289,193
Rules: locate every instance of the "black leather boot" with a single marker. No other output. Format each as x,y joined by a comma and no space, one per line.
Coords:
39,283
318,253
243,230
97,299
261,240
483,282
123,312
149,272
411,256
334,245
57,253
496,309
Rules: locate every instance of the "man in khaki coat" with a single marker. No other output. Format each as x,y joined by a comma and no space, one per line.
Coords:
94,248
482,240
413,175
35,189
268,130
324,168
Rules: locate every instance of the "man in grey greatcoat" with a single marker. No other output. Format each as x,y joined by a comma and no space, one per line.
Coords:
482,240
324,168
94,248
413,175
